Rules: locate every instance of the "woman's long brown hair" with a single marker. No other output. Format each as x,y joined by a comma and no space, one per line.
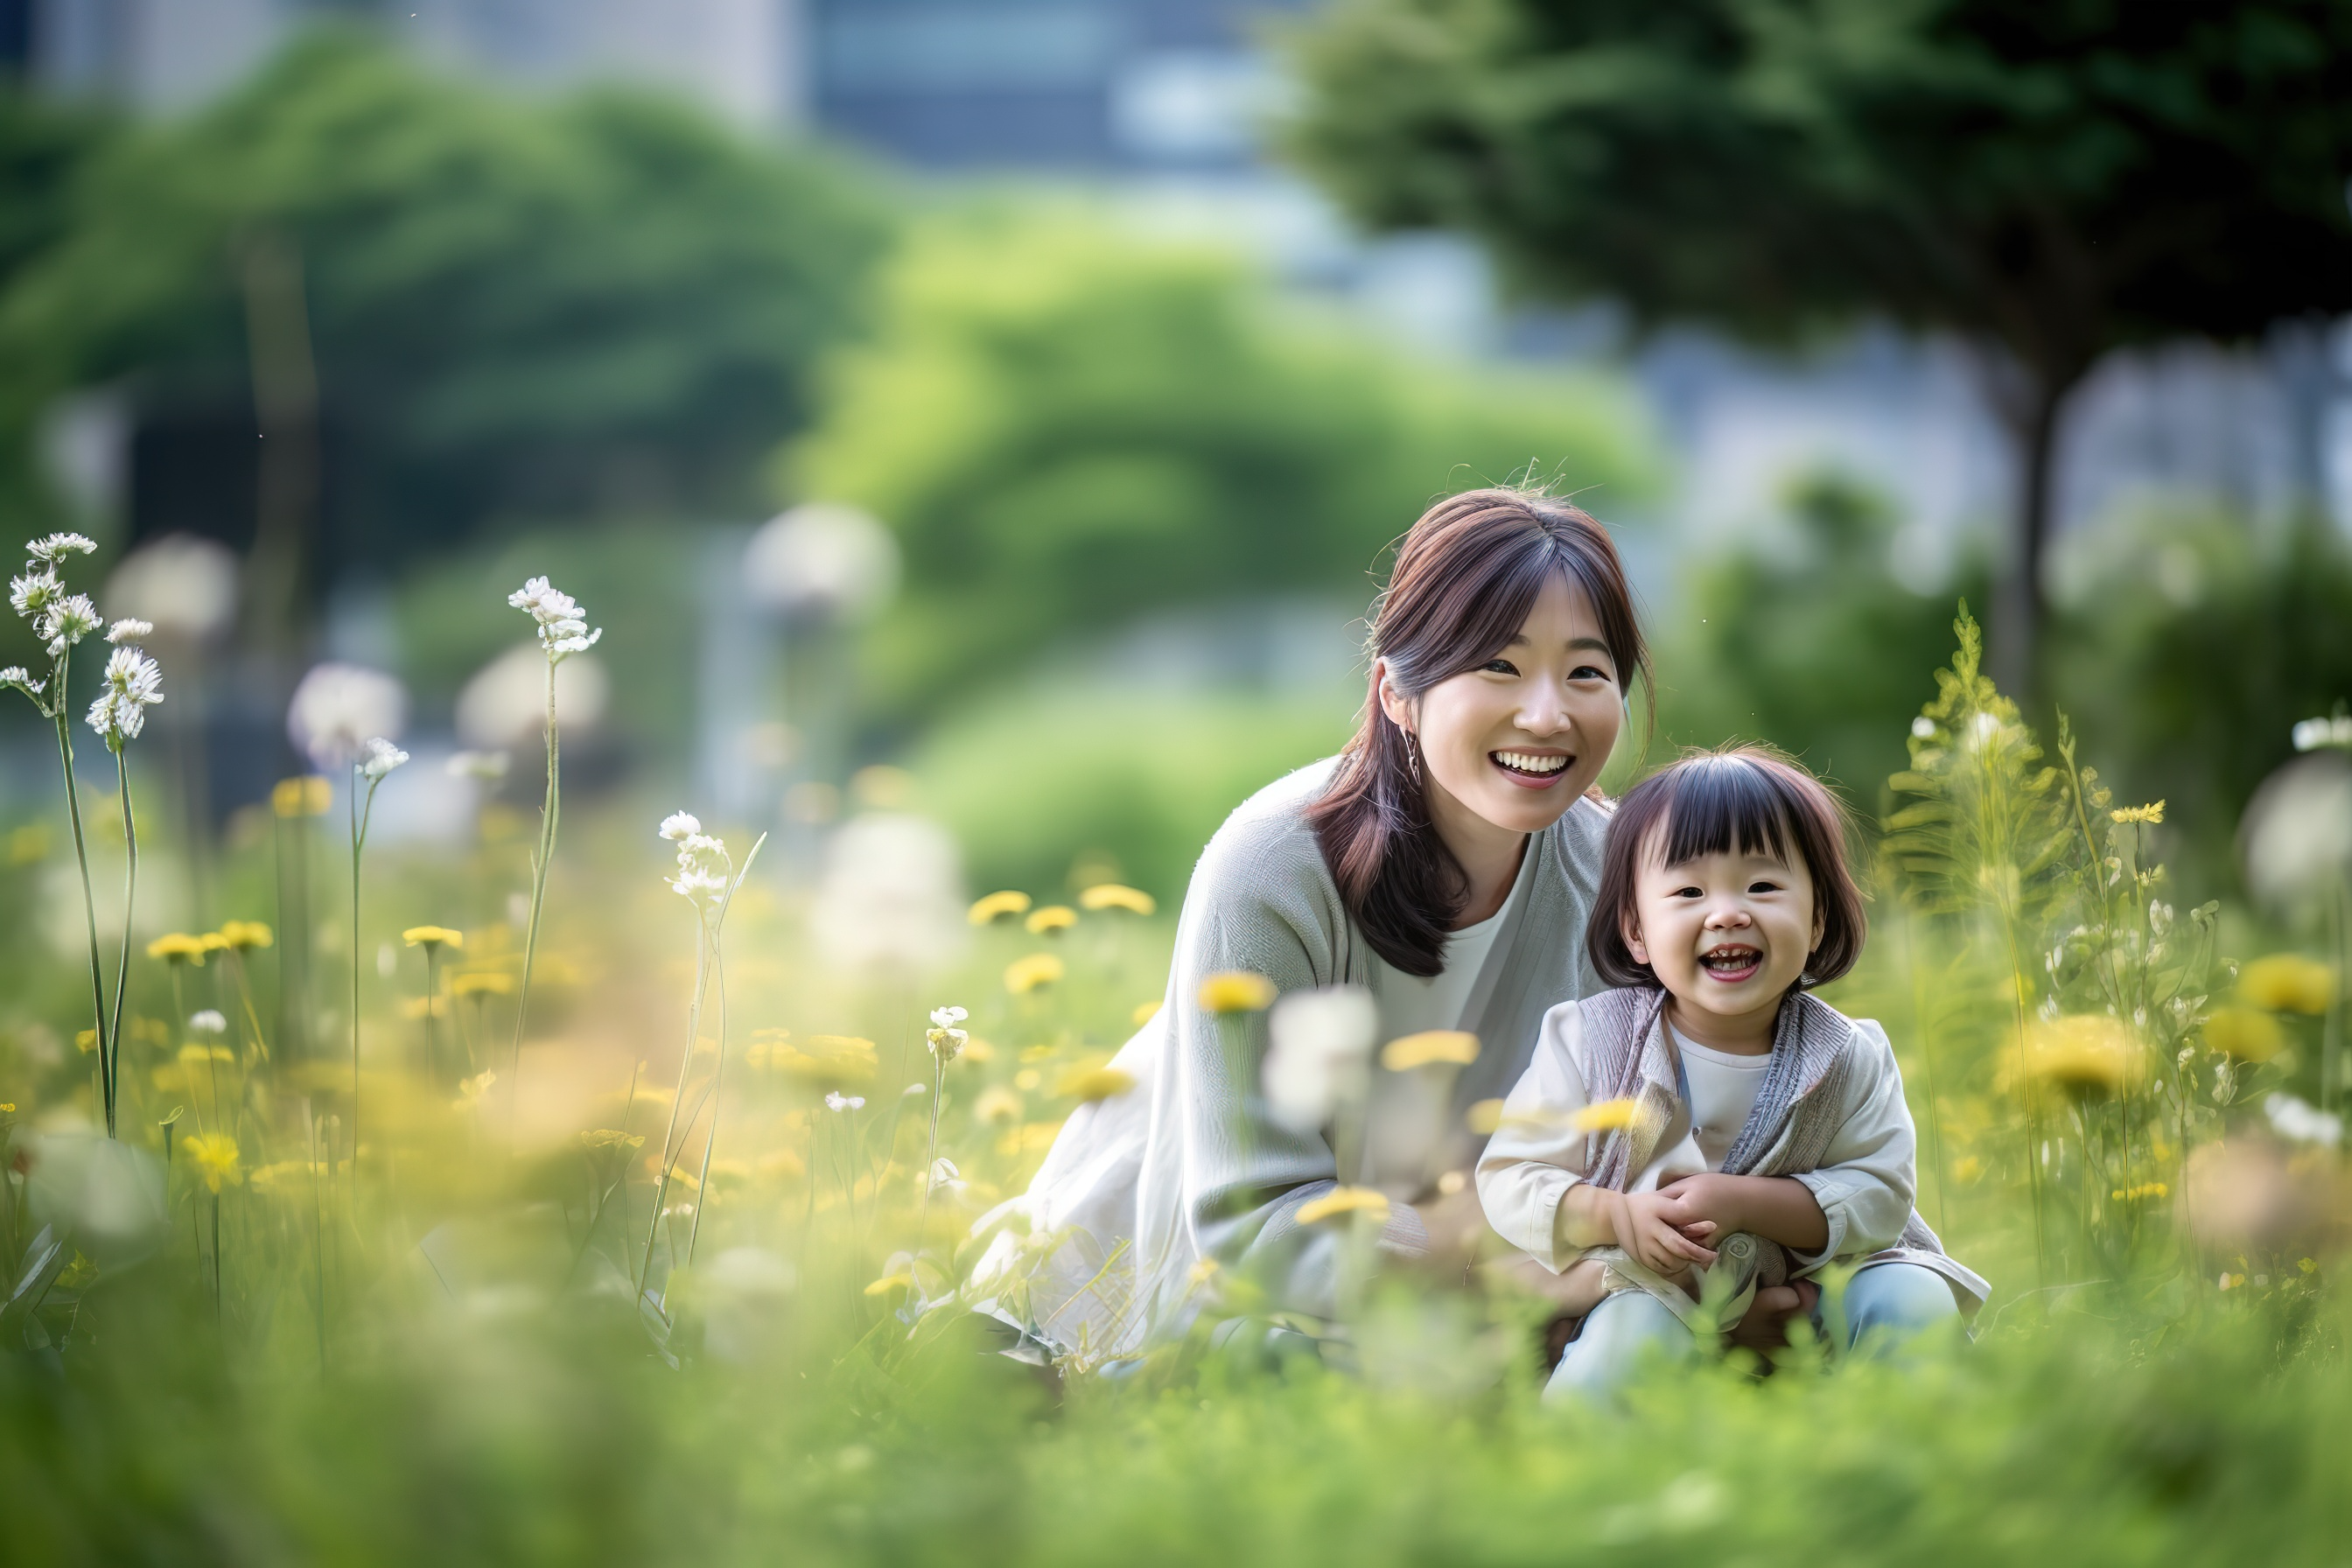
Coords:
1466,578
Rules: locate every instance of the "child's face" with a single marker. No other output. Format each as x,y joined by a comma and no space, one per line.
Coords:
1726,933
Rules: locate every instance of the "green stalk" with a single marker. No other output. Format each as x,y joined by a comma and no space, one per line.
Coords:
358,842
549,812
113,1044
88,901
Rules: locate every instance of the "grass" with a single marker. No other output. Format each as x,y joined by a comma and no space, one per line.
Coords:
440,1350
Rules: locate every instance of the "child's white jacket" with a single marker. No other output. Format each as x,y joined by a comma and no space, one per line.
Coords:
1839,1126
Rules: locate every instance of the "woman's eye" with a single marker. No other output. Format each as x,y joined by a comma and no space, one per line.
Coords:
1501,667
1590,672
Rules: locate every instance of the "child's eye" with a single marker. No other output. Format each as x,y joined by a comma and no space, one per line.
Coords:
1689,893
1763,887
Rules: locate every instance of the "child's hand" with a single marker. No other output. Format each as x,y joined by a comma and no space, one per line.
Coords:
1708,1199
1650,1227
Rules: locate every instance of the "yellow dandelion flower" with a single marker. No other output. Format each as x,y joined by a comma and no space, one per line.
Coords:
483,983
1370,1202
178,947
2243,1033
998,1106
2287,983
1052,920
1024,975
196,1056
1236,991
434,936
997,907
2084,1054
1027,1080
1089,1085
85,1040
243,936
1483,1117
1458,1046
1118,896
308,795
901,1280
1608,1116
212,942
976,1049
2141,1193
215,1156
1144,1013
2130,815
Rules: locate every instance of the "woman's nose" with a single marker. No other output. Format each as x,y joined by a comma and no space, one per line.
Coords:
1543,712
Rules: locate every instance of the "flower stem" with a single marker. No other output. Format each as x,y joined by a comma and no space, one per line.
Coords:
548,813
113,1046
89,902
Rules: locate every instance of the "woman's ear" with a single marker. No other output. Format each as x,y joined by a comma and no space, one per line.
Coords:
1394,703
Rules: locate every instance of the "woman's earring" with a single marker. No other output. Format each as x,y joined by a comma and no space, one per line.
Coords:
1412,758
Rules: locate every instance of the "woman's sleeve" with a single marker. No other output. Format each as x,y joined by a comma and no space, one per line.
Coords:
1867,1180
1260,905
1537,1153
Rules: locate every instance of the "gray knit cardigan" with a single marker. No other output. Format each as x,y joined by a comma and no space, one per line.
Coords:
1137,1190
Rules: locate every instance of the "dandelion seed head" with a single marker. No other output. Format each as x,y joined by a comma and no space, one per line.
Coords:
129,630
338,707
207,1022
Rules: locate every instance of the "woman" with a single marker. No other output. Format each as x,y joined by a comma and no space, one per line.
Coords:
1446,860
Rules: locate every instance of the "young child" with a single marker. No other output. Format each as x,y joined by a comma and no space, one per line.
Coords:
1711,1127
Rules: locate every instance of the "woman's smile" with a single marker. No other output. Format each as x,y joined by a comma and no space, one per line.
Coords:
1532,769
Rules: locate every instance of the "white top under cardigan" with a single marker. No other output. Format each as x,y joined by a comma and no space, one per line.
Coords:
1100,1253
1864,1184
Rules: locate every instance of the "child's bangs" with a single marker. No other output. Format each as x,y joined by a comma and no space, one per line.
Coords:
1719,805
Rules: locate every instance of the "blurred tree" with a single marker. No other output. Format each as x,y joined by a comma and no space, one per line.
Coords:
2049,178
1814,644
2186,644
593,305
43,148
1069,428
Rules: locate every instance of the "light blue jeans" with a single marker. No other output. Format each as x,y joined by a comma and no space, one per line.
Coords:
1885,1305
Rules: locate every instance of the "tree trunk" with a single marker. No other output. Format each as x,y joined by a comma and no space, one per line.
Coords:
2015,644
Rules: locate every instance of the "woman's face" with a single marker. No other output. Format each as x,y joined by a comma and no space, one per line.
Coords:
1515,742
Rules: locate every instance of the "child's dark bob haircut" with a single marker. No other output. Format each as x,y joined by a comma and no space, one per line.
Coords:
1742,799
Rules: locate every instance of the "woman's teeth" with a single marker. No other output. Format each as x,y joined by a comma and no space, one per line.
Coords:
1526,762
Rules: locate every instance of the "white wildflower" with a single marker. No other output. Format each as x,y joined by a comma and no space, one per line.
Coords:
134,683
381,757
949,1017
703,868
66,621
33,592
56,546
836,1100
338,707
944,1175
2299,1121
1319,1037
17,675
947,1041
129,630
208,1022
562,626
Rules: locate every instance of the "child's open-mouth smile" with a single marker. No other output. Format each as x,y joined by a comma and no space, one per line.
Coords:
1531,769
1731,963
